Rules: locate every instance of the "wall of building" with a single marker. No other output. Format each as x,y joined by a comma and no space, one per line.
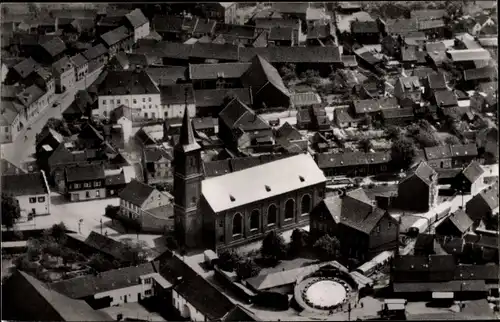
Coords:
126,128
224,221
186,310
413,194
169,111
142,32
81,72
157,199
81,195
27,205
147,103
131,293
68,79
385,234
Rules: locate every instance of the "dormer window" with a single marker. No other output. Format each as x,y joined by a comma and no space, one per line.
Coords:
268,189
301,178
232,198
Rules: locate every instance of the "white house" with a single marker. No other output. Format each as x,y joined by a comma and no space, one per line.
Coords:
10,120
34,99
174,100
132,88
139,23
31,190
64,73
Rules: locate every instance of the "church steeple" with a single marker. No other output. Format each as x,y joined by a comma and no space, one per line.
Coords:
186,140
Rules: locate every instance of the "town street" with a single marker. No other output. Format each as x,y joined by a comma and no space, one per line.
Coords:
23,145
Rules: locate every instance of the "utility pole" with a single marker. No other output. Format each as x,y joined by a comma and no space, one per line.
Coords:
101,225
349,308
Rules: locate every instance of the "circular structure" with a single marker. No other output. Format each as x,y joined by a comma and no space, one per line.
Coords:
325,293
325,290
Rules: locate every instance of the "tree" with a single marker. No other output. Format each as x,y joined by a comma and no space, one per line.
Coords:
11,212
452,140
101,264
273,246
58,232
327,247
366,144
57,125
137,252
367,120
403,152
393,132
247,268
287,72
299,240
227,260
426,139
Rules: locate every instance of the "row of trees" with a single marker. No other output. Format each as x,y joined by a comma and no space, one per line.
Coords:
274,249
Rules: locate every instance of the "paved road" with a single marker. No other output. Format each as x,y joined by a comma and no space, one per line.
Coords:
21,148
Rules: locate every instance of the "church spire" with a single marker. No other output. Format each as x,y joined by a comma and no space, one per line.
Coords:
186,138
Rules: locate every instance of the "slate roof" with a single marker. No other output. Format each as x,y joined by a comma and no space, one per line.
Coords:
175,94
202,295
401,26
215,51
89,285
438,152
436,51
461,220
445,98
331,160
167,75
409,54
136,192
423,171
8,168
437,81
430,24
239,31
238,115
136,18
127,83
26,67
155,154
30,95
398,113
482,73
459,55
215,71
374,105
78,60
262,72
428,14
116,35
21,285
215,97
24,184
281,33
9,111
94,52
459,150
62,65
84,173
280,54
423,72
473,171
361,27
54,46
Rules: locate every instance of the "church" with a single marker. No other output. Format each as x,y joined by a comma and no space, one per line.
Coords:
240,207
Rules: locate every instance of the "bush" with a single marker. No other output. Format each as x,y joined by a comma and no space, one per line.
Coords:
101,264
327,247
299,241
273,246
228,260
452,140
393,132
171,243
247,268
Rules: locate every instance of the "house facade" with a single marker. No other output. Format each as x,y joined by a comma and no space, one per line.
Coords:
418,191
134,89
81,66
64,74
31,190
85,182
138,23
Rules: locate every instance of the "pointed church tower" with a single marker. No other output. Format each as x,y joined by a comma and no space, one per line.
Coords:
188,175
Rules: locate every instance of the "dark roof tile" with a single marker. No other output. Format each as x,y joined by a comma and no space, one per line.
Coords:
136,192
84,173
24,184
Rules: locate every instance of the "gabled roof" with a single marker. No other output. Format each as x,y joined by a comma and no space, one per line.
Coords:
438,152
120,111
133,82
361,27
482,73
374,105
260,73
167,23
202,295
116,35
167,75
26,67
62,65
305,99
430,24
30,95
20,286
136,18
290,7
215,97
78,60
490,196
155,154
136,192
94,52
461,150
281,33
281,54
238,115
409,83
424,14
216,71
409,54
461,220
89,285
84,173
459,55
473,171
401,26
445,98
24,184
235,30
248,186
398,113
8,168
437,81
215,51
423,171
54,46
176,94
